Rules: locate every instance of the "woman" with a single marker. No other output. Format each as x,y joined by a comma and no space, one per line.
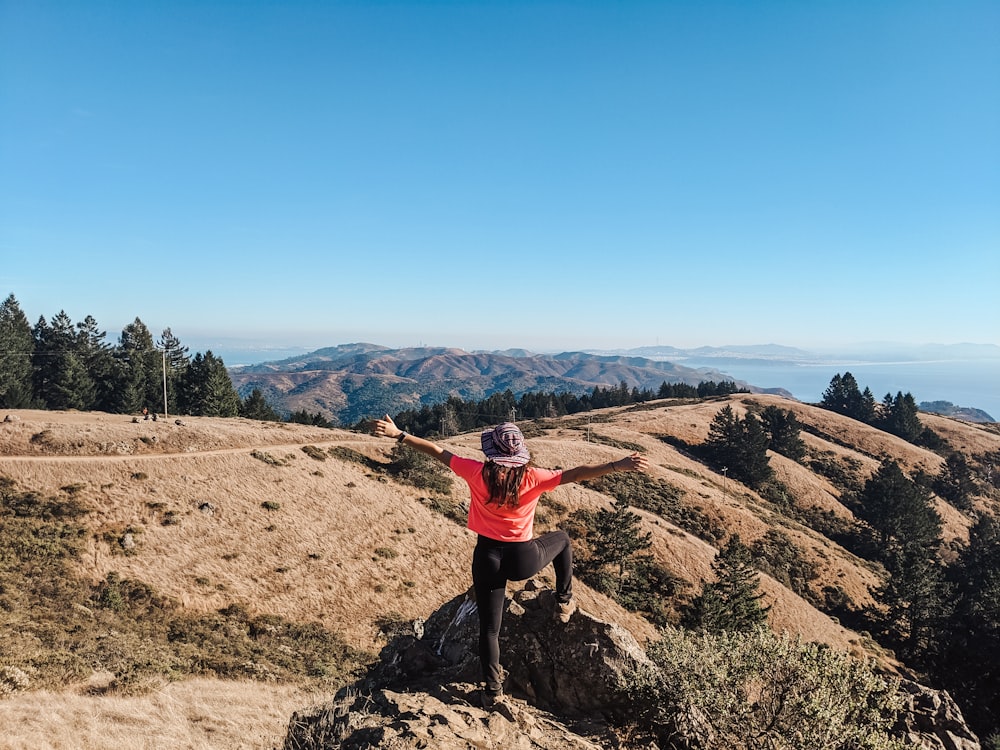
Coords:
505,491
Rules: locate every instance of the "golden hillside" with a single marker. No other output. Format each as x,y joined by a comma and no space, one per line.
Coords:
272,517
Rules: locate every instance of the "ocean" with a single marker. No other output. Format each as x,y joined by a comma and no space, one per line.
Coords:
971,383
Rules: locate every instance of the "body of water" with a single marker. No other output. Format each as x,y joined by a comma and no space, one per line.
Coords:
971,383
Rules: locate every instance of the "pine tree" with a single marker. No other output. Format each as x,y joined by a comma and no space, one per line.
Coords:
207,388
17,348
899,416
732,603
140,384
739,444
783,431
99,363
60,379
617,536
955,483
915,596
255,406
174,357
971,666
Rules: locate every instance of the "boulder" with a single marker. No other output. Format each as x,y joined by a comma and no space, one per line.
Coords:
933,720
564,684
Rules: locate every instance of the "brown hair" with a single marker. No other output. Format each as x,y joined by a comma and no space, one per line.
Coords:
504,483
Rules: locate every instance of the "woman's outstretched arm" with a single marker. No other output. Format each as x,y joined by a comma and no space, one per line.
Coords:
634,462
385,427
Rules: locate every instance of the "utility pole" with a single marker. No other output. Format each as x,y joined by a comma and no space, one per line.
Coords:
725,482
164,353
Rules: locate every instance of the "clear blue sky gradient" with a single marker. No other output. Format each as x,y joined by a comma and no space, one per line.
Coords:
487,175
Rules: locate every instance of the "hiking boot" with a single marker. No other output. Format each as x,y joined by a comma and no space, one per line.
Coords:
498,703
565,610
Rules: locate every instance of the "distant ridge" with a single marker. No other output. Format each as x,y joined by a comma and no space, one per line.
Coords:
354,381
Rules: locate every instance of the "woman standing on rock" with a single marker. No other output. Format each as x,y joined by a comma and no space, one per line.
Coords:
505,492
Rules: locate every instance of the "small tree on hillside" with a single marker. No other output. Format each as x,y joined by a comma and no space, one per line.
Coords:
255,406
955,482
732,603
740,444
898,416
783,432
617,536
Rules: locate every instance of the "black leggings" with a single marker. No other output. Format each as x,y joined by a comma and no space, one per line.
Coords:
493,564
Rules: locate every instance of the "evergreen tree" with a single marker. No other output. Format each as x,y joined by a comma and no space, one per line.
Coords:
174,356
915,596
898,510
255,406
60,379
971,666
955,483
783,431
617,536
739,444
17,348
899,416
99,363
140,377
208,390
868,406
732,603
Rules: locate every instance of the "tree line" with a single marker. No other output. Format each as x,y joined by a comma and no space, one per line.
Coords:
456,415
894,414
58,364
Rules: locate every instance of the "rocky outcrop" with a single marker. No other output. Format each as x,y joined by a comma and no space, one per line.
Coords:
563,680
934,721
564,683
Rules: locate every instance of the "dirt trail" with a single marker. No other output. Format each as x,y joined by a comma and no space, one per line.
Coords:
22,458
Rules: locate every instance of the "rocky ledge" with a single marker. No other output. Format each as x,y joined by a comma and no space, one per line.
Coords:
564,683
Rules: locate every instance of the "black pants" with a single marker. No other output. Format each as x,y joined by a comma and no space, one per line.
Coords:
493,564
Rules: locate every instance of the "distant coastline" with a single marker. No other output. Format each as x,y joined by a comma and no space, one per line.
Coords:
965,381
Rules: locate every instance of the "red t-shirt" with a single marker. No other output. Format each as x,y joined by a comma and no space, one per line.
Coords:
504,524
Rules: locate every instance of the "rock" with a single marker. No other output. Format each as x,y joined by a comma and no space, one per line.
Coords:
564,684
127,541
934,721
424,690
207,508
12,418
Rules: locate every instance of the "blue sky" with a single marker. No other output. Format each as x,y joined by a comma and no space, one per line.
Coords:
489,175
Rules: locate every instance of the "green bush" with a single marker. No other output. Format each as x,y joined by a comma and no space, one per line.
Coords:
419,470
758,690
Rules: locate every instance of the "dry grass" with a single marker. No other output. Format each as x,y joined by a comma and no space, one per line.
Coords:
346,546
197,714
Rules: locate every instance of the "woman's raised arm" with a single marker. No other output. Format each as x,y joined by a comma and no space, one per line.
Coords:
385,427
633,462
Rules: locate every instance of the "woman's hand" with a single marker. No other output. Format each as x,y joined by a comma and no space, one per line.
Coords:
635,462
385,427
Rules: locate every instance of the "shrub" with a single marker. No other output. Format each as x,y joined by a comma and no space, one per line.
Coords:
755,689
416,469
660,497
313,452
268,458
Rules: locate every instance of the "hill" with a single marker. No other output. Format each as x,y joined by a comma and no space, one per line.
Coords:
351,382
242,526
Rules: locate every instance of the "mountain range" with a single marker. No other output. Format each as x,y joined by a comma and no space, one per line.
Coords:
354,381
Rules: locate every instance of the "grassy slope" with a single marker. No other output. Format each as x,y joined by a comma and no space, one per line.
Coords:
345,547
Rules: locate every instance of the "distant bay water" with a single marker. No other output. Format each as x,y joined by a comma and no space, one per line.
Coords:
971,383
